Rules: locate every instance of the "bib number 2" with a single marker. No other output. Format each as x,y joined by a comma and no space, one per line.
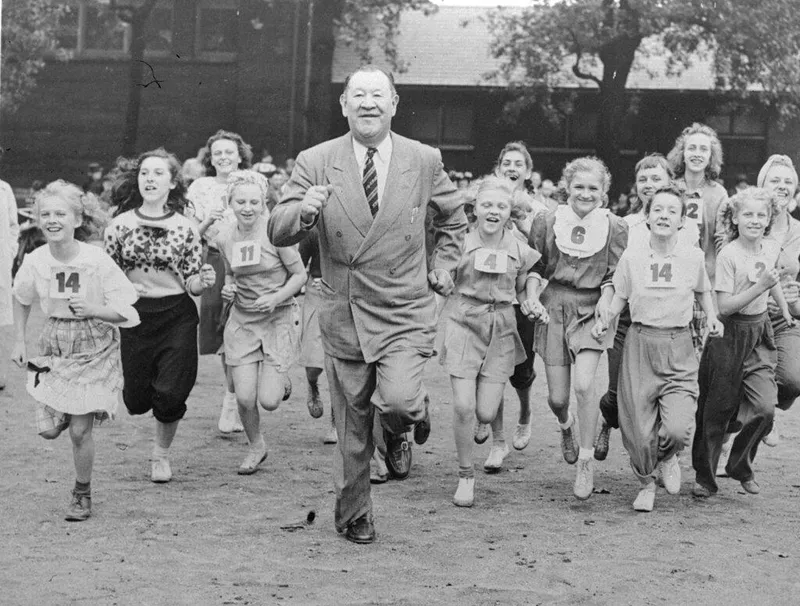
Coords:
755,273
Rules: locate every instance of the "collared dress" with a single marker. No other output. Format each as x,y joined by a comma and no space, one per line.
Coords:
480,338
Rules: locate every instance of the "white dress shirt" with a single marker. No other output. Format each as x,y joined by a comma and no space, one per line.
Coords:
381,159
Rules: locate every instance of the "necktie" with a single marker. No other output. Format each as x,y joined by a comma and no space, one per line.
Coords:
371,181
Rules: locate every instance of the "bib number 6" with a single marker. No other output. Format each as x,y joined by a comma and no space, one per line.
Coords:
578,235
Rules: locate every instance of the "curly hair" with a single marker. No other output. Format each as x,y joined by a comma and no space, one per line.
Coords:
587,164
245,151
85,206
247,177
675,156
734,205
125,194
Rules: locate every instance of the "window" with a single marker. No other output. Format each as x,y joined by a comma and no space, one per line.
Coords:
217,29
444,126
743,135
93,29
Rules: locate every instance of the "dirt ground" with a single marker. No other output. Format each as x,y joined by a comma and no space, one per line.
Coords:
213,537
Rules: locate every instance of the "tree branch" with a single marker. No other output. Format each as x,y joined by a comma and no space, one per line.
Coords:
576,67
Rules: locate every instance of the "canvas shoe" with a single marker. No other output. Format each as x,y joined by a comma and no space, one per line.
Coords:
646,498
465,493
671,474
584,479
773,438
724,455
160,471
494,462
331,437
80,508
254,458
522,436
229,420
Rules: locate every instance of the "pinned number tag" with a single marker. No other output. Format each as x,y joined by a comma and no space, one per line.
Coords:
66,282
491,261
586,238
659,275
694,210
757,268
245,253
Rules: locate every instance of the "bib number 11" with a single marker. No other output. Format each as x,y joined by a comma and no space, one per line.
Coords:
246,253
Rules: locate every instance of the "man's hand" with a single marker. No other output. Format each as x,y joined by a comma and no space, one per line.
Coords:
441,282
314,201
207,276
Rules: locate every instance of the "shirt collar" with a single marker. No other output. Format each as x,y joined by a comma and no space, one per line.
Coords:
384,148
472,241
676,251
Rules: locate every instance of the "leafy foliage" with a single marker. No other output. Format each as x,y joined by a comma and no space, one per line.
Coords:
29,35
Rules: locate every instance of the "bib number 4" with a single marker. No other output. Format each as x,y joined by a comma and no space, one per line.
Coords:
491,261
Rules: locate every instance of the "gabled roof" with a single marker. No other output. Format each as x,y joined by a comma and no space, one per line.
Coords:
450,47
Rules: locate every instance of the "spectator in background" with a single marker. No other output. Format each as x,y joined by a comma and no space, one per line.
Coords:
9,235
277,179
289,166
94,179
194,168
546,195
741,184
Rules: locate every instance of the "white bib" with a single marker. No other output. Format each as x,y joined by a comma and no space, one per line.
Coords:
660,274
246,253
755,267
66,281
491,261
581,237
694,210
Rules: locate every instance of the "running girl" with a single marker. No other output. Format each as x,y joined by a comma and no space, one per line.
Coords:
480,344
737,371
159,250
580,243
77,378
657,395
263,330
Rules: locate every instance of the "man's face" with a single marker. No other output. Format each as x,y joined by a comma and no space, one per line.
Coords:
369,105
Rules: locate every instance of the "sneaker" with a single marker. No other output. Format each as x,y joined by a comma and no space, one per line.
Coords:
724,455
160,471
700,491
671,474
522,435
494,462
229,420
584,479
313,402
751,486
80,508
568,450
287,392
253,459
331,437
465,493
646,498
773,438
602,442
481,432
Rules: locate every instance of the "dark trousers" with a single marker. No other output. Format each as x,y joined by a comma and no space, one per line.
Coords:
400,401
159,357
737,383
524,374
608,403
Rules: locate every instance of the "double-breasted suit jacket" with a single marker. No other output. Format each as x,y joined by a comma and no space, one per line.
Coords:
376,296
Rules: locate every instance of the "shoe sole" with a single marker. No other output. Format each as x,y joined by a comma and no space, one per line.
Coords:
358,541
463,503
378,479
247,471
70,518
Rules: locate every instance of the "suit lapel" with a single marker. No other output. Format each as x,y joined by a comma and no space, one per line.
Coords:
343,175
400,180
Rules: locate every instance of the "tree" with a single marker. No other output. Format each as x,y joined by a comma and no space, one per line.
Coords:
751,45
29,35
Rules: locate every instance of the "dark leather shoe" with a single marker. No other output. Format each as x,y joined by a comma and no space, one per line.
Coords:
361,530
601,444
423,429
398,455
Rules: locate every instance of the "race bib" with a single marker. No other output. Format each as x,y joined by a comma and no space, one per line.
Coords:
581,238
694,210
491,261
757,267
660,275
245,253
66,281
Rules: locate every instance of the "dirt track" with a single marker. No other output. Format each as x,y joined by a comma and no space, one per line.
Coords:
212,537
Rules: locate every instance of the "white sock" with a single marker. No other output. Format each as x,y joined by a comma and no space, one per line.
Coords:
160,452
586,453
568,424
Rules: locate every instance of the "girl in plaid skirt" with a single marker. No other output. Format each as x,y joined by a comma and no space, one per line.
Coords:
76,379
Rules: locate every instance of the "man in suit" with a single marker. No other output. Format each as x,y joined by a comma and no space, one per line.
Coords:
367,194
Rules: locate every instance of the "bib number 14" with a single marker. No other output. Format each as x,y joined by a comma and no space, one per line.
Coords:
660,276
66,282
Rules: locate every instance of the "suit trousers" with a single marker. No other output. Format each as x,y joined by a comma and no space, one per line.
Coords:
737,382
397,378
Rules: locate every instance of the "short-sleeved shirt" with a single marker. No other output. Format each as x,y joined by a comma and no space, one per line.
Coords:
788,260
660,288
703,206
587,273
478,273
91,274
258,267
738,270
639,233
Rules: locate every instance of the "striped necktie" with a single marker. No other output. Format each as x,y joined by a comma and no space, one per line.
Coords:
371,181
